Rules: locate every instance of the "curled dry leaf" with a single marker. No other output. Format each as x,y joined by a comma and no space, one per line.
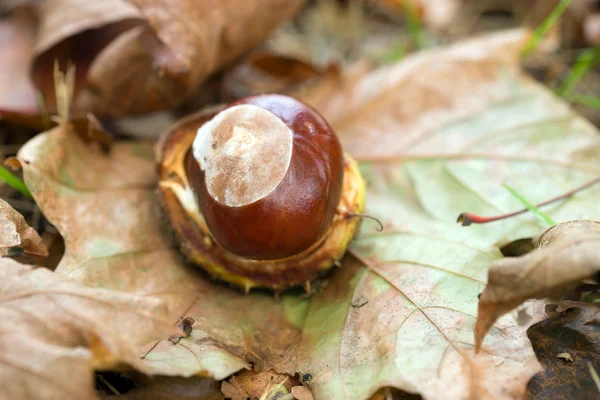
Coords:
76,31
566,255
54,331
16,234
185,43
437,134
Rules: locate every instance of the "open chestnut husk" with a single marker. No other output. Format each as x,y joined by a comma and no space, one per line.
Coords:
259,192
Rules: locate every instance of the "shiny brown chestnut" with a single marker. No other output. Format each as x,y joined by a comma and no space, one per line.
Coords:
260,192
267,172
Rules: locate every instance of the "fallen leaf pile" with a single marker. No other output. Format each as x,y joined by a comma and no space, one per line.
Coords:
436,134
428,153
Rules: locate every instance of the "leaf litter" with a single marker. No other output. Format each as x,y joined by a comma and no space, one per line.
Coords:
16,235
54,332
421,275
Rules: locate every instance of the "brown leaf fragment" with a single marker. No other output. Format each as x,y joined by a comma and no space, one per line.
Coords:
185,325
233,390
17,38
302,393
188,41
567,332
54,331
76,31
565,356
15,233
255,384
566,255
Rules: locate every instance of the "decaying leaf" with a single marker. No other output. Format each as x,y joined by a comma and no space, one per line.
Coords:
76,31
302,393
54,331
437,134
567,255
185,43
16,234
17,38
572,331
565,356
257,383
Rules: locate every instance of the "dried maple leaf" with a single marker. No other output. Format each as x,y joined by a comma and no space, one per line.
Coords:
54,331
436,134
16,234
567,255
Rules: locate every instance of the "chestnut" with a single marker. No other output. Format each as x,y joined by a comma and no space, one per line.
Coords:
260,192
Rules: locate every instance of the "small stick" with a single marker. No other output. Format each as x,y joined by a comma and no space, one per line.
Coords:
467,219
367,216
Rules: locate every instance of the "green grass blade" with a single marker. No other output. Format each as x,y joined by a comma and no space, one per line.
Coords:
530,206
414,25
586,100
13,181
545,27
586,61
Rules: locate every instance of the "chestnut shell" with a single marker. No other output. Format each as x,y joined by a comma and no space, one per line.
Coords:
298,212
195,239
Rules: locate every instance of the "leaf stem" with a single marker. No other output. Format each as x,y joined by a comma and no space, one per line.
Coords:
467,219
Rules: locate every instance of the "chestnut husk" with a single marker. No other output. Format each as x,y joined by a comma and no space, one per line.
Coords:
196,243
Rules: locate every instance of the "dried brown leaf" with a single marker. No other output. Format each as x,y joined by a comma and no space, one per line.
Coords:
566,255
54,331
232,390
17,39
76,31
186,43
15,233
302,393
421,277
257,383
574,333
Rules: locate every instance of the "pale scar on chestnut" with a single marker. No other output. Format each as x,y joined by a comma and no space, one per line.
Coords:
248,156
266,183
